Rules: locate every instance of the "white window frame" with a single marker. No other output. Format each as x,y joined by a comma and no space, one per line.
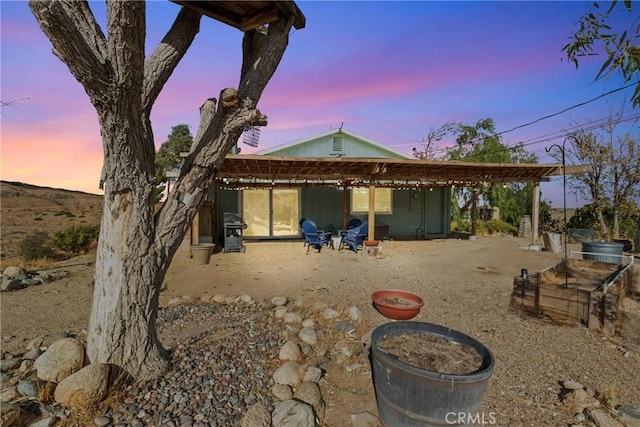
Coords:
364,191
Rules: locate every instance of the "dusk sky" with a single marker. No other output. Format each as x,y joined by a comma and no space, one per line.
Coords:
388,71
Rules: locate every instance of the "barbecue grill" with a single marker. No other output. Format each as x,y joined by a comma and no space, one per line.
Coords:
233,226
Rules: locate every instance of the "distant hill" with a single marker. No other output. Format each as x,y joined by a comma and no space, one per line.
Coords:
26,208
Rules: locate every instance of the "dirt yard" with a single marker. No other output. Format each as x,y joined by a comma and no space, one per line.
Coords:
465,284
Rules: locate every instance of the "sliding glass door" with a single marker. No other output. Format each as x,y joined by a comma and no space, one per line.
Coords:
271,213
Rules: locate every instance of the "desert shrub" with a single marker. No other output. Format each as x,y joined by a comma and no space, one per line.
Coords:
76,238
460,225
35,245
497,226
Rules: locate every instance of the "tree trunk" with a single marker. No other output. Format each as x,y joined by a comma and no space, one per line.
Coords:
135,246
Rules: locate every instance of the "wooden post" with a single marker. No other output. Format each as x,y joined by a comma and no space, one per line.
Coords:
372,211
535,215
345,206
195,229
474,209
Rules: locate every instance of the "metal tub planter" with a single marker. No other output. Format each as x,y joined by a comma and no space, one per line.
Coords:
409,396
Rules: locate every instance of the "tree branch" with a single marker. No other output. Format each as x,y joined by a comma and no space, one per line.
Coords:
126,27
77,40
168,54
261,55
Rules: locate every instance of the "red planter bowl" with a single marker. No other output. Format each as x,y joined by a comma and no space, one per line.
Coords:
396,304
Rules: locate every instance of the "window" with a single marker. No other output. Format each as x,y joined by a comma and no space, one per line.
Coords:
360,200
336,146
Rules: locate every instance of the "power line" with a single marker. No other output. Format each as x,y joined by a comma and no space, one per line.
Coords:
473,141
569,108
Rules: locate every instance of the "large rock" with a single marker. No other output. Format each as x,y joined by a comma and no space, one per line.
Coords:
84,388
309,392
63,358
13,271
292,413
256,416
290,374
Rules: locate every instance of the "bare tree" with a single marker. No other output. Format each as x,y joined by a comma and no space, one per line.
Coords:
135,245
428,149
614,175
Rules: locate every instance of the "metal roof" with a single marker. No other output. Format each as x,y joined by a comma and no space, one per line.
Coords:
257,170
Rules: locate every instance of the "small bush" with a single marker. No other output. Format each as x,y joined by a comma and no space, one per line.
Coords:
36,245
497,226
76,238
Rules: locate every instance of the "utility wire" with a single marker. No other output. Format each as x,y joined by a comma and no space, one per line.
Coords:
473,141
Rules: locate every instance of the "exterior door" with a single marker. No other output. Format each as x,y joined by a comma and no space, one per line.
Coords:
271,213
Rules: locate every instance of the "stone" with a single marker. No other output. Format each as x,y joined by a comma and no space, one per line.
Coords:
330,313
309,392
355,314
293,317
32,354
219,298
256,416
279,301
293,413
8,394
308,335
45,422
176,302
13,271
290,373
101,420
9,285
9,364
572,385
30,282
63,358
602,419
245,298
86,387
290,351
50,339
282,392
629,415
28,388
319,307
190,299
9,414
579,400
312,374
345,327
308,323
35,343
281,312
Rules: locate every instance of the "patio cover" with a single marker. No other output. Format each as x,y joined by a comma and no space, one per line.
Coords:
276,171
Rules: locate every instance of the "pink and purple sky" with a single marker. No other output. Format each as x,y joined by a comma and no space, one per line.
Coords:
389,71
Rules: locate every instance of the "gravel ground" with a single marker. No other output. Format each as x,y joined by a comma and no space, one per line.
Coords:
466,285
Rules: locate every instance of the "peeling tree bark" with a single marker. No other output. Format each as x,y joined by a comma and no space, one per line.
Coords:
135,246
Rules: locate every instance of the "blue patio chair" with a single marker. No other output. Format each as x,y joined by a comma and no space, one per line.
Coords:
313,236
355,237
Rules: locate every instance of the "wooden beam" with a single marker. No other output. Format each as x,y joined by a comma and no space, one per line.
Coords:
372,211
536,213
265,16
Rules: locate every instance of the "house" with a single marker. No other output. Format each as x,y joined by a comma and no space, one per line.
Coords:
338,175
274,212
